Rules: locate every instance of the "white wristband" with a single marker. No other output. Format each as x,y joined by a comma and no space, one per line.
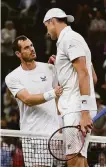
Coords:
85,102
49,95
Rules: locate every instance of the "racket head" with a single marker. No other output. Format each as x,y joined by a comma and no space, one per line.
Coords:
70,146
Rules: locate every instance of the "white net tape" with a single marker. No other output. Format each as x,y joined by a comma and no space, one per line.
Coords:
19,133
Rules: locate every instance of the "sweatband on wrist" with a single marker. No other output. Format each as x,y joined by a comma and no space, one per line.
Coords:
49,95
85,102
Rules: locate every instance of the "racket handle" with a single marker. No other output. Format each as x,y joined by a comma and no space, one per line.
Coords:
101,113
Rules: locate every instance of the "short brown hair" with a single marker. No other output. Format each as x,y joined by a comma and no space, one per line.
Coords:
15,45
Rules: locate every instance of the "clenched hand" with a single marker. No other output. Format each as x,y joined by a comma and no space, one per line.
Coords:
86,122
58,91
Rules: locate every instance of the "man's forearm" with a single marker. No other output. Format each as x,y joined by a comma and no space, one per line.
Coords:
32,100
35,99
84,86
84,83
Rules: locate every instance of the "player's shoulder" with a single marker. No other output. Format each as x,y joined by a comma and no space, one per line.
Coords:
45,66
73,38
73,35
13,74
41,63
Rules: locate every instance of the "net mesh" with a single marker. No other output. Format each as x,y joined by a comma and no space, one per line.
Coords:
19,149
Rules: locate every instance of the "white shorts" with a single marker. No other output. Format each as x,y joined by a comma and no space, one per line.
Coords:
73,119
36,153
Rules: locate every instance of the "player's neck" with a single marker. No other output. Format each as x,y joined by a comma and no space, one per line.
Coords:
60,27
28,65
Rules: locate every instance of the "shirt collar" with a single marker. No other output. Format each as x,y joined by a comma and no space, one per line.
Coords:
62,33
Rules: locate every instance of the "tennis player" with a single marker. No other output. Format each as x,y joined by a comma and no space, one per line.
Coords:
74,69
34,85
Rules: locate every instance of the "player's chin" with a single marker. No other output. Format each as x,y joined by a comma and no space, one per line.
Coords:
34,57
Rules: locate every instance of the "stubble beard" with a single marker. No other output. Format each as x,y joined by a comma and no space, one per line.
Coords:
29,60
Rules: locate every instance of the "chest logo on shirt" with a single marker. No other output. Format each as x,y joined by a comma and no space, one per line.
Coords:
43,78
84,101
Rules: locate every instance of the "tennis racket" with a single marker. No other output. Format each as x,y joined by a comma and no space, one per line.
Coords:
72,136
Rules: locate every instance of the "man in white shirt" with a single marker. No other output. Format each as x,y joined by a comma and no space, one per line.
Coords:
74,69
8,35
35,87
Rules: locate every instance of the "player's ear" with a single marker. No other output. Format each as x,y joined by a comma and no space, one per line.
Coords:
18,54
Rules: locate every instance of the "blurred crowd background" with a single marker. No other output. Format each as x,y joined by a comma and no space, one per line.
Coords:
25,17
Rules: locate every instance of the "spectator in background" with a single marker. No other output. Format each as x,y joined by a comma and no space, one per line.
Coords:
96,39
7,102
6,158
101,160
98,23
13,122
98,28
18,155
8,35
100,125
7,147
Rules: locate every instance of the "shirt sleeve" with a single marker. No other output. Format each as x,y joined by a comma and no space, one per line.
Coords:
13,85
73,49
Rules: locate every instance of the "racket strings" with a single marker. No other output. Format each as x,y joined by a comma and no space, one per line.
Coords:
71,144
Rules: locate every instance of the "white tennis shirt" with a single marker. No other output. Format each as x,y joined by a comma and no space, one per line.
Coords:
39,118
71,45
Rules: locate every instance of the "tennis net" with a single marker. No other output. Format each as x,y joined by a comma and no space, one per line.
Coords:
21,149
